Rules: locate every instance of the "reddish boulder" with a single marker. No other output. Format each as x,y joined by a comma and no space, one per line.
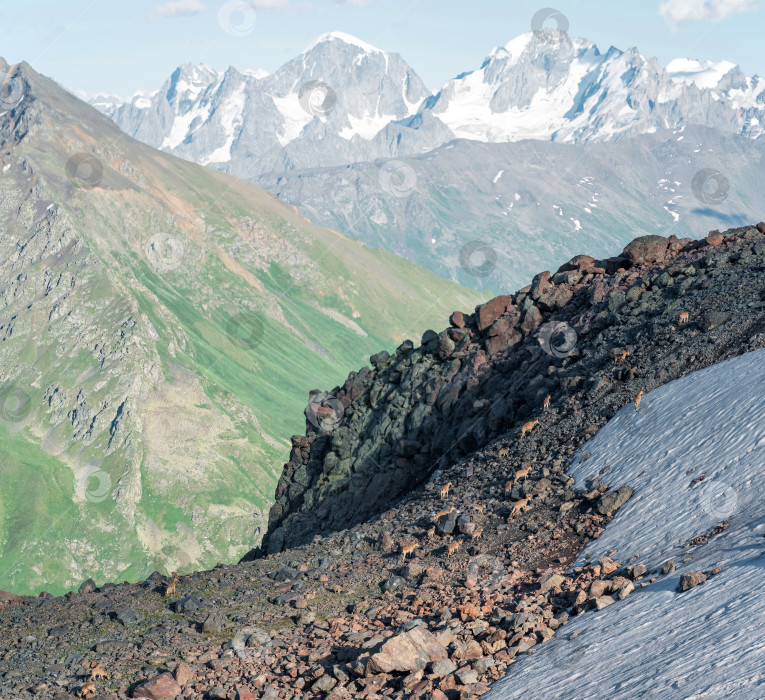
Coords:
457,319
88,586
498,343
691,580
489,312
715,238
532,320
540,284
183,673
582,263
677,244
555,298
646,250
406,652
161,687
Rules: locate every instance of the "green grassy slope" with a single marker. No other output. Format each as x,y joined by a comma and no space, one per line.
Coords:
162,328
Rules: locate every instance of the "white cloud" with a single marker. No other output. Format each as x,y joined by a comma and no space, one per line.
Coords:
268,4
177,8
682,11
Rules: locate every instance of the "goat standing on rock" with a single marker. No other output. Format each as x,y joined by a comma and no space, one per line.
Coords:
528,427
522,473
86,689
170,589
442,513
519,506
445,490
407,549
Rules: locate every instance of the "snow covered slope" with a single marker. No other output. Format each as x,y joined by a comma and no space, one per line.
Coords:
706,74
708,642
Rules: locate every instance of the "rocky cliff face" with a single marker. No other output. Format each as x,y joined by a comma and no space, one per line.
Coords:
388,428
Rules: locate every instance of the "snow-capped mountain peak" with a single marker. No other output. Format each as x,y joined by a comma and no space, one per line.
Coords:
326,106
344,38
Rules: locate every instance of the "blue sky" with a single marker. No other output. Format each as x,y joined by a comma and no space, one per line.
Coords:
120,47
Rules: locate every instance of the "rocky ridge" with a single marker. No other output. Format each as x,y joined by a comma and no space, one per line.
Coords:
355,612
389,427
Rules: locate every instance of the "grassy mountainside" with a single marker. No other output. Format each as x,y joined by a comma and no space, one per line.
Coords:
160,327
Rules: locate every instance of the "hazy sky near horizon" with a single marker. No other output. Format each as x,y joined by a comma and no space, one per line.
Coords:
119,48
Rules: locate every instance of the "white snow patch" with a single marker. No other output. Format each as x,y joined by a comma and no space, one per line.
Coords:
704,75
257,73
295,117
367,126
230,120
182,124
705,643
497,176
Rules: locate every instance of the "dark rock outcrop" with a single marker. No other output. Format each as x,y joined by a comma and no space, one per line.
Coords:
389,427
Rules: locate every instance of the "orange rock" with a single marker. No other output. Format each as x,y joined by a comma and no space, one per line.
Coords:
714,238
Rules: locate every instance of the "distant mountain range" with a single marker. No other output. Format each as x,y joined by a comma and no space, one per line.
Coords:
491,215
161,325
351,136
344,101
